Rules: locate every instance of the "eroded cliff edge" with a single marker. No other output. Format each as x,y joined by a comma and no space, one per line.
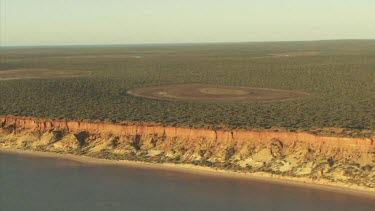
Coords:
304,157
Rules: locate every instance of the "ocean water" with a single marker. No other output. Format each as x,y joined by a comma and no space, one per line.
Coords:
35,183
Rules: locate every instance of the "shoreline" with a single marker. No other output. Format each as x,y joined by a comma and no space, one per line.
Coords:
205,171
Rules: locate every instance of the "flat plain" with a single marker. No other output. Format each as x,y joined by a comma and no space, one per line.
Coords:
339,77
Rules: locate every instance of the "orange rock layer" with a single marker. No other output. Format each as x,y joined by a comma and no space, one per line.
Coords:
358,144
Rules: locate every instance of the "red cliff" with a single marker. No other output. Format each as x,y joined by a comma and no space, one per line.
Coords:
363,144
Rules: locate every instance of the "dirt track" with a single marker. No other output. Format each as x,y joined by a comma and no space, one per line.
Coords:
39,73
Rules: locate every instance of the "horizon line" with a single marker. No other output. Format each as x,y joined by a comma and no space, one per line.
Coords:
170,44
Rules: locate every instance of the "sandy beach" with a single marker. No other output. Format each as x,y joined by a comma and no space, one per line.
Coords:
206,171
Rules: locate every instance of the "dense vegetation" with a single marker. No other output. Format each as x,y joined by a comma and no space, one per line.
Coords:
341,79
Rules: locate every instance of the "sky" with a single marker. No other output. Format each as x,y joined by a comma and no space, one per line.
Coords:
87,22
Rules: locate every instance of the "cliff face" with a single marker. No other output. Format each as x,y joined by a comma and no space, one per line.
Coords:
331,159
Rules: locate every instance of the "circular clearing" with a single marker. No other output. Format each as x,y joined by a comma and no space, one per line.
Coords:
214,93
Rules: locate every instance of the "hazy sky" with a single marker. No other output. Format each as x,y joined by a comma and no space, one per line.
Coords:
66,22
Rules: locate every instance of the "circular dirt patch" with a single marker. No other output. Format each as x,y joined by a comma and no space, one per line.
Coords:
214,93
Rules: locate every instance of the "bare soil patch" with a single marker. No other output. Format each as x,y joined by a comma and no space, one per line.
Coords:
214,93
287,54
106,56
40,73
